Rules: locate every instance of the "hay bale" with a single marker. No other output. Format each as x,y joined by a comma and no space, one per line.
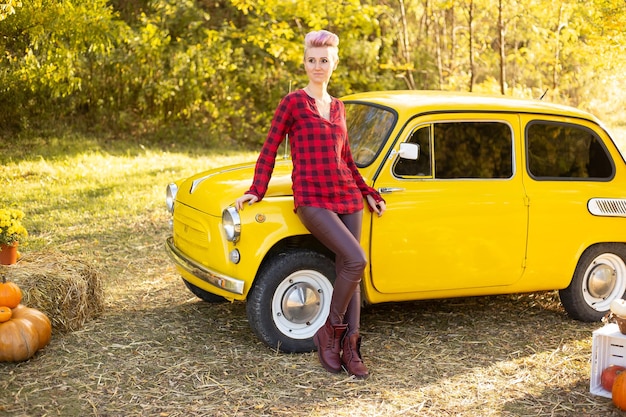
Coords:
69,291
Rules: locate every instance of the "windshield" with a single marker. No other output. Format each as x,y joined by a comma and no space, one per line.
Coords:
368,128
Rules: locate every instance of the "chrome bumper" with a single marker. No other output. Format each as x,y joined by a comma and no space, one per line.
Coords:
220,281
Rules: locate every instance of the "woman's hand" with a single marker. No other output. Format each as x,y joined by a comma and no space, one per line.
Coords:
251,199
378,208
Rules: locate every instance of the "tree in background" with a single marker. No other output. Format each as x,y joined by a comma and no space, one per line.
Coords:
48,52
219,67
7,8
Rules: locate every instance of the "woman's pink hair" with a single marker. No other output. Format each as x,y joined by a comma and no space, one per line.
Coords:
321,38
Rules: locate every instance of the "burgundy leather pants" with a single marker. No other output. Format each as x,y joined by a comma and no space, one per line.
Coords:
341,234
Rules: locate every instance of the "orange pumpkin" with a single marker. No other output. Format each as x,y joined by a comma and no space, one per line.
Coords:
10,294
28,331
619,391
5,314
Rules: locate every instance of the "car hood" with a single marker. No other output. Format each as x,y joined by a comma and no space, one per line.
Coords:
213,190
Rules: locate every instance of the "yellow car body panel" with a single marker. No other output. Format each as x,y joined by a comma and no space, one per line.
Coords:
465,217
560,225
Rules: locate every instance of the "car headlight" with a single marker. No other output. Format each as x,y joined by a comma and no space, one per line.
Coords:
170,196
231,222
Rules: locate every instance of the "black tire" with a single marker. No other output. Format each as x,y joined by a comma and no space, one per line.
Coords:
290,300
204,295
599,278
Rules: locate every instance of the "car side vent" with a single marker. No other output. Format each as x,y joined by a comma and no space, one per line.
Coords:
613,207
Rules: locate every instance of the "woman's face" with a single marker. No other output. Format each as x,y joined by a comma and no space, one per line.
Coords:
319,63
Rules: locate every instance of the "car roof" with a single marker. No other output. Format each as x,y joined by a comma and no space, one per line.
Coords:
428,101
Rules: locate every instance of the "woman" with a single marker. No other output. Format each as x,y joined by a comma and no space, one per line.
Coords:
328,194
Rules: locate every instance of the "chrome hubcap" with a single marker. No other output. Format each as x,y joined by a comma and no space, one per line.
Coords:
602,280
301,303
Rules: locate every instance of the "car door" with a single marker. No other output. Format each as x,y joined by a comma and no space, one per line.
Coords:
457,216
568,166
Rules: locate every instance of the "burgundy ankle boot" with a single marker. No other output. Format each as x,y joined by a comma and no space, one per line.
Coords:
328,342
351,358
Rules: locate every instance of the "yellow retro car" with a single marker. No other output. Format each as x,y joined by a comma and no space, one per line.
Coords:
485,195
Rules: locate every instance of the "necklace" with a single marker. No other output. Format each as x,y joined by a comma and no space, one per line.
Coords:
323,106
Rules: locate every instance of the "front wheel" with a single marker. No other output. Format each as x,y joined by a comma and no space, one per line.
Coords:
290,300
599,278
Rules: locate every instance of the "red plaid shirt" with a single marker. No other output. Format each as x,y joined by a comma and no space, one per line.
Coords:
324,173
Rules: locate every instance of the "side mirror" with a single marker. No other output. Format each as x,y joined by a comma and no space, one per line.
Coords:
409,151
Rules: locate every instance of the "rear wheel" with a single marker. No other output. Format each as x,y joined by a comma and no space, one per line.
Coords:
599,278
290,300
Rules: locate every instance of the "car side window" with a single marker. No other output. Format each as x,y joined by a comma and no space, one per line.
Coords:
566,151
421,166
473,150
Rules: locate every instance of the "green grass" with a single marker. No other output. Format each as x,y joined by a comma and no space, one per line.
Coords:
78,193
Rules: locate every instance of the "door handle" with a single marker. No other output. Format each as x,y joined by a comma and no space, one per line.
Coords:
388,190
